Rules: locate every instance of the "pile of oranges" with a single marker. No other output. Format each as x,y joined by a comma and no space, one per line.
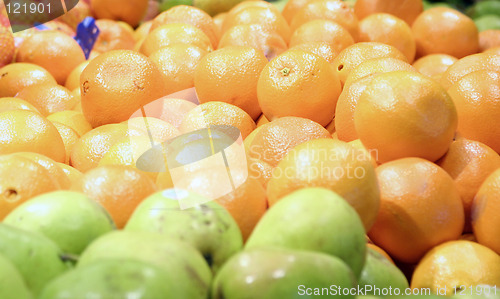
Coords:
406,99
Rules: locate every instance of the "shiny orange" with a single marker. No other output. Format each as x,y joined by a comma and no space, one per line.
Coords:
8,104
298,83
434,65
73,80
377,66
442,30
408,10
57,52
48,98
50,165
113,36
72,173
29,131
420,208
292,7
73,119
69,138
131,11
470,64
117,83
489,39
171,110
469,163
119,189
322,49
16,76
477,98
230,75
178,62
388,29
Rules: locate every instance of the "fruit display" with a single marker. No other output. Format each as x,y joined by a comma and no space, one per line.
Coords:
248,149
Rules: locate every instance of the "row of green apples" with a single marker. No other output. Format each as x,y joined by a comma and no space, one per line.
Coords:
64,245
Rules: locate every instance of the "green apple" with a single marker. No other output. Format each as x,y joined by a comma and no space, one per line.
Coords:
212,7
183,264
70,219
208,227
282,273
429,5
35,256
487,22
12,285
111,279
379,273
482,8
314,219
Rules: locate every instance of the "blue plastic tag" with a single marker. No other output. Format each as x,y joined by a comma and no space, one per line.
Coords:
86,35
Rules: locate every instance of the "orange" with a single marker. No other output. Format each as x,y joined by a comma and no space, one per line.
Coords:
73,80
322,49
156,128
346,105
298,83
23,130
230,75
330,164
142,31
174,33
489,39
7,46
354,55
48,98
485,208
73,119
113,36
420,208
262,120
16,76
72,173
388,29
255,36
76,15
292,7
247,203
408,10
434,65
275,139
171,110
379,250
22,179
252,3
117,83
322,31
458,267
119,189
91,147
178,63
494,50
131,11
333,10
377,66
57,52
469,64
189,15
260,170
218,113
442,30
8,104
69,138
477,98
405,114
469,163
267,17
50,165
218,21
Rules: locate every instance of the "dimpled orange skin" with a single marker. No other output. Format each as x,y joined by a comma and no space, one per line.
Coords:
322,49
8,104
131,11
489,39
469,163
405,114
7,48
16,76
377,66
48,98
57,52
230,75
354,55
485,209
116,84
22,179
113,36
470,64
292,7
189,15
174,33
275,139
322,31
298,83
477,98
27,131
420,208
442,30
333,10
434,65
386,28
408,10
256,36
